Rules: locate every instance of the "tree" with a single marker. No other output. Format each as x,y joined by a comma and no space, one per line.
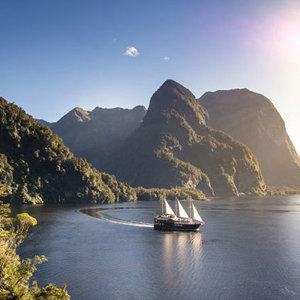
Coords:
15,274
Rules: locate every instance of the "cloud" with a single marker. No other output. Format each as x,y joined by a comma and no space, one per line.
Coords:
166,58
131,51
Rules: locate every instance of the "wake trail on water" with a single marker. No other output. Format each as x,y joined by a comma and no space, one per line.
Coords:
97,213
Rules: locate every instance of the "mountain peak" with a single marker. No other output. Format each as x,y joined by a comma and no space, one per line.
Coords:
175,98
239,96
171,83
175,87
77,114
141,108
81,114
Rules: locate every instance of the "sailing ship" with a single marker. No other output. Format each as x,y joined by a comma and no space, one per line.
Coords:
180,221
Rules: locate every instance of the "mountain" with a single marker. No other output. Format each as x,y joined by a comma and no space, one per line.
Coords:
36,167
174,147
97,134
252,119
46,123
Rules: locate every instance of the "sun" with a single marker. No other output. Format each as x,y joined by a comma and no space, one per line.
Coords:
285,35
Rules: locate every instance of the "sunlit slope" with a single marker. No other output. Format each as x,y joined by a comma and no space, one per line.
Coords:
252,119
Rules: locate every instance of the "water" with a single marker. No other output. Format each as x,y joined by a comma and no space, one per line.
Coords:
248,249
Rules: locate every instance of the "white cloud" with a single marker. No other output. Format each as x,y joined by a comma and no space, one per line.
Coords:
131,51
166,58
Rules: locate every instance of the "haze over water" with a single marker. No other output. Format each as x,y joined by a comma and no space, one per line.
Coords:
248,249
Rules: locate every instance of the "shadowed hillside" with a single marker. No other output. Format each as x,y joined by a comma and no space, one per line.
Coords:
36,167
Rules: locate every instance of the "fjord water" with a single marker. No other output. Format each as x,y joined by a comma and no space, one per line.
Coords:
248,249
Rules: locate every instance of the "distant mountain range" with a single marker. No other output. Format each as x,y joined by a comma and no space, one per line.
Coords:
225,143
96,135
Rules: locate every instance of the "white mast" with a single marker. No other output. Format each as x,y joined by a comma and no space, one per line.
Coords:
196,215
181,211
168,209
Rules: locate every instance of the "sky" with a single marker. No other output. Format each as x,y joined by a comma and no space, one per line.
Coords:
60,54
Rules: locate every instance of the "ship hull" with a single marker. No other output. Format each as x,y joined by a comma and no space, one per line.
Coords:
176,226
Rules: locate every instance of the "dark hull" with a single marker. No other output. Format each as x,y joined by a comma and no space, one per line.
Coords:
172,226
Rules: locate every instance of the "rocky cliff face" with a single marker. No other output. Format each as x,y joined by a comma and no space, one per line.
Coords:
175,147
97,134
252,119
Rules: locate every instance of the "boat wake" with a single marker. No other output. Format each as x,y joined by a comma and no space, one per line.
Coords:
99,214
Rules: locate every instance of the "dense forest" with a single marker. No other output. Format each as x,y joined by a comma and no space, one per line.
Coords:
36,167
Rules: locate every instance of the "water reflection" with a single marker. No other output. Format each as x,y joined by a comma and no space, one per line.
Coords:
181,259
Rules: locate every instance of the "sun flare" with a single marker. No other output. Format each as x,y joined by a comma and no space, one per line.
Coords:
283,33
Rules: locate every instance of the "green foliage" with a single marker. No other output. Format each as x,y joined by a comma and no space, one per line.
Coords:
282,190
15,274
51,292
122,191
35,166
6,176
172,194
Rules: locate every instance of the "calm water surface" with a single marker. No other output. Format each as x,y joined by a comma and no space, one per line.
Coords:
248,249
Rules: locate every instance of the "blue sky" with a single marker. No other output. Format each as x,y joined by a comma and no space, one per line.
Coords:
56,55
